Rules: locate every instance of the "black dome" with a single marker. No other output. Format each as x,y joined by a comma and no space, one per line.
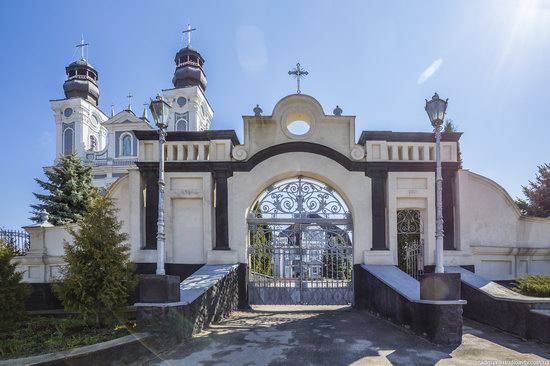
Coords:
81,81
189,72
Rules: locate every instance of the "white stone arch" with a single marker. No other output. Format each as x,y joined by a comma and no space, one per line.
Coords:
353,187
306,174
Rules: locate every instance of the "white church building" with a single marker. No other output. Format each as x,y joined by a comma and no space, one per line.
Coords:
299,209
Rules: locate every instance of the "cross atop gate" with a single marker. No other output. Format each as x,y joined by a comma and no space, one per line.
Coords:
298,73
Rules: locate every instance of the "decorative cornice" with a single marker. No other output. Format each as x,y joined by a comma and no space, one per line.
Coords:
207,135
516,251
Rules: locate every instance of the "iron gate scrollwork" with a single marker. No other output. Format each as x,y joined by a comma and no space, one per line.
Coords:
301,246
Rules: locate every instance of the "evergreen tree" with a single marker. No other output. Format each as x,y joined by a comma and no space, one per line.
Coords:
450,127
262,258
13,292
69,187
99,275
537,194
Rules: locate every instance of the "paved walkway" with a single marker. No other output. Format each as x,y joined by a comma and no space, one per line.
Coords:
280,335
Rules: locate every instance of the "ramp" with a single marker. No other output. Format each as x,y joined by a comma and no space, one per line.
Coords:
502,308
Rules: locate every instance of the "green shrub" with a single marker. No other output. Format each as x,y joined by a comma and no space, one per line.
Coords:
99,275
534,285
13,292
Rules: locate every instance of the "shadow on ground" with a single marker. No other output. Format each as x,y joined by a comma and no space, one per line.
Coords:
329,335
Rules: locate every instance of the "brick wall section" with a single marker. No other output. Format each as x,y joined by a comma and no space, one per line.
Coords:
440,324
173,323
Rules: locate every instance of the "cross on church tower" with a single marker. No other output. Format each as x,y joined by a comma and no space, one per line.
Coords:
188,31
298,73
129,96
81,45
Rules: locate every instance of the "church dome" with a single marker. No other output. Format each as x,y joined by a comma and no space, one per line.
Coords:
189,72
81,81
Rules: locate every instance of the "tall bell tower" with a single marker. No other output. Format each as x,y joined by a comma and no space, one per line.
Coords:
190,108
78,118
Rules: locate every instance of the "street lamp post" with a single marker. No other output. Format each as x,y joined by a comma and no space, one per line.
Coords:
160,109
436,108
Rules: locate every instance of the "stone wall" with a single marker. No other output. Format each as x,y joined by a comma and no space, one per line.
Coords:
174,322
439,323
510,316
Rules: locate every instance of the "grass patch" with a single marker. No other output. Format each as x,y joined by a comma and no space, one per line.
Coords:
40,335
538,286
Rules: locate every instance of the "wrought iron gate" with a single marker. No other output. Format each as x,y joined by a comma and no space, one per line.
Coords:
300,248
411,242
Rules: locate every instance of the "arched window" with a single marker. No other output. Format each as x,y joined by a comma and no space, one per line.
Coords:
68,139
126,148
93,143
181,125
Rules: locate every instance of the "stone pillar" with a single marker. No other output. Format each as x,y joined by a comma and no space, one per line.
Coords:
448,209
379,178
150,182
220,176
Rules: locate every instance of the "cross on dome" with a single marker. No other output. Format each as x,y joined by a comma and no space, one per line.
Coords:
188,32
81,45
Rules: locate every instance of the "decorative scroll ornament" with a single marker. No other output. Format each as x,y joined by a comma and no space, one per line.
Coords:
239,153
409,222
302,198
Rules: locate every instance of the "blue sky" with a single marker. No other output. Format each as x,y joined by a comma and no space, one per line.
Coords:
378,60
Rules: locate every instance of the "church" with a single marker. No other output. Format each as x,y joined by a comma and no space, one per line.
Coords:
299,208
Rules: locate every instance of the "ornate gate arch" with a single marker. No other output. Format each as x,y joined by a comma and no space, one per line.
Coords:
301,245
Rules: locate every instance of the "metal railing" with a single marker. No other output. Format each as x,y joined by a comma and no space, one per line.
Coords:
414,258
17,239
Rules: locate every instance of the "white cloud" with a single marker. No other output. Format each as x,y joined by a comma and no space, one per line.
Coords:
251,49
430,70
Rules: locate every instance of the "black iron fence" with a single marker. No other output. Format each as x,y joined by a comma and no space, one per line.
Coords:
17,239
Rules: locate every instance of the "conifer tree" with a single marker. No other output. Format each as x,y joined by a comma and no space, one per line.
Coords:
13,292
537,194
69,187
99,275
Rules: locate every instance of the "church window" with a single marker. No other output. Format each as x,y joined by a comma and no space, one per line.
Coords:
93,143
68,139
182,101
72,73
182,122
94,119
181,125
126,145
81,72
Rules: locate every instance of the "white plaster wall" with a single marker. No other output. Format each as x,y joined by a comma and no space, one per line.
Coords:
188,216
493,235
55,238
354,187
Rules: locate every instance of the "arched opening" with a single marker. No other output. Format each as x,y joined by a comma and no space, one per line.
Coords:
300,245
182,125
126,143
68,141
298,123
